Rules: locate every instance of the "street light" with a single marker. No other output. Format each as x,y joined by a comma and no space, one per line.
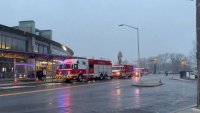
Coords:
183,65
138,42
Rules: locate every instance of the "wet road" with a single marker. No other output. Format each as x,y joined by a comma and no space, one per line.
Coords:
114,96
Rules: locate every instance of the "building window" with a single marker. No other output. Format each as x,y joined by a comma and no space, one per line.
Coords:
3,42
14,44
41,49
21,45
36,48
8,43
45,50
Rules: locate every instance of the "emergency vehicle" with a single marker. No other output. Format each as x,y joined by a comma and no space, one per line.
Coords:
84,69
122,71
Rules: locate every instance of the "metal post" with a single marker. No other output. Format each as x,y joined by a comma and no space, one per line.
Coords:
46,69
52,70
139,63
14,70
198,50
35,68
138,43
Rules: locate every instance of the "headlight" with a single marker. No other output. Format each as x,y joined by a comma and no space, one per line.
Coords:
118,73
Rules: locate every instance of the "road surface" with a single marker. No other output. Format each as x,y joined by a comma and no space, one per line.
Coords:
112,96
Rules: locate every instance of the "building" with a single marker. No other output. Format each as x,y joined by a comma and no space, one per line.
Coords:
25,49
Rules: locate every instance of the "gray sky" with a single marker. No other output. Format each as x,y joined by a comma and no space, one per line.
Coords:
90,27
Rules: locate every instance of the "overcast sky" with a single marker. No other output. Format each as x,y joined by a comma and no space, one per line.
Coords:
90,27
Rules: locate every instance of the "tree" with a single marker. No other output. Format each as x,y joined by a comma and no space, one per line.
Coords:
192,57
174,62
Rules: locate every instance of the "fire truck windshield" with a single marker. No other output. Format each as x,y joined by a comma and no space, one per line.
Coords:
68,66
65,66
117,68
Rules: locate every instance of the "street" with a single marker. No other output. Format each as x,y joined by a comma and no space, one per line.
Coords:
111,96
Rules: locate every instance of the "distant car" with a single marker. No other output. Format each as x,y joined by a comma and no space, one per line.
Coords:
193,74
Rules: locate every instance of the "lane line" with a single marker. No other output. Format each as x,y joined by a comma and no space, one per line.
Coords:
46,90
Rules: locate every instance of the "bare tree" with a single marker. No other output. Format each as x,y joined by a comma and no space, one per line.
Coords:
192,57
173,62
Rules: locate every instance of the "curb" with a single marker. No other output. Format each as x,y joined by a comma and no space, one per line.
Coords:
181,79
20,84
147,85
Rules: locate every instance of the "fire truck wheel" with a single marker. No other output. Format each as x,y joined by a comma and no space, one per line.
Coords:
101,76
80,78
130,76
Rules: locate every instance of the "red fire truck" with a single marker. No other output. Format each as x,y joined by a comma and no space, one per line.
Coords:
84,69
122,71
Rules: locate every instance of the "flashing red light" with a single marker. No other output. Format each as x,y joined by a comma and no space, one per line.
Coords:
58,71
68,61
69,72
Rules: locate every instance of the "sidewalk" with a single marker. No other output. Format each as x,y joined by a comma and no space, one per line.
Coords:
181,79
11,82
189,110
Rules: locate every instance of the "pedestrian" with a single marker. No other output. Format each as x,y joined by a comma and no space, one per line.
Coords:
166,73
39,75
44,72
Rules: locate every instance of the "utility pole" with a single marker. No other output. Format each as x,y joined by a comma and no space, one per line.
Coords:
198,50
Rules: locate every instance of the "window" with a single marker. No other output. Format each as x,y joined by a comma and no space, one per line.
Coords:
36,48
75,66
14,44
45,50
91,66
21,45
40,49
8,43
3,42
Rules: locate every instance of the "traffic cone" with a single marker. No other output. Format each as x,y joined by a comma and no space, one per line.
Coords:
15,81
36,80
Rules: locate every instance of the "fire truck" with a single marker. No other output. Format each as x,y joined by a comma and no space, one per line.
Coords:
122,71
81,69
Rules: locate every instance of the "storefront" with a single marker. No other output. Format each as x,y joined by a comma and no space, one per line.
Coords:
23,65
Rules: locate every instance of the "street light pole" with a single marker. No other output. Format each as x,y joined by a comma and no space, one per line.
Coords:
138,43
198,50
